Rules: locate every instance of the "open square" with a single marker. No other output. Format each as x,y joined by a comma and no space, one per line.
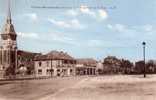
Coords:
128,87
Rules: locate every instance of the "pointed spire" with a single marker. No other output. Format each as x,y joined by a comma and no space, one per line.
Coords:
9,12
9,27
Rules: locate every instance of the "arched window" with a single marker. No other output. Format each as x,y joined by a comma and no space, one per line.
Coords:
40,63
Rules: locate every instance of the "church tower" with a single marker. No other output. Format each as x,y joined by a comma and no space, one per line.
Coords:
8,49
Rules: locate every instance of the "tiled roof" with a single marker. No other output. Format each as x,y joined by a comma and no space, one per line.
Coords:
59,55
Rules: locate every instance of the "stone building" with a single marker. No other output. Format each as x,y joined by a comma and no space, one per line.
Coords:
86,66
8,48
54,63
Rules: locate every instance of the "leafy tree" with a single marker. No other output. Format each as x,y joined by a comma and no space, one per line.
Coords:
150,66
139,67
126,66
112,65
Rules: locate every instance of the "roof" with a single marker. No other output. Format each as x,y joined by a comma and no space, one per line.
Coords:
57,55
27,54
86,61
26,57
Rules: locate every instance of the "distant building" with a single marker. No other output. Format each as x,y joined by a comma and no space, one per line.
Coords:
86,66
54,63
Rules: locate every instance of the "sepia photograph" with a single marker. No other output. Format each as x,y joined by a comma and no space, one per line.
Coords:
77,50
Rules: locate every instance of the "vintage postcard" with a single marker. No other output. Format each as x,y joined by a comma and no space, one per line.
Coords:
77,50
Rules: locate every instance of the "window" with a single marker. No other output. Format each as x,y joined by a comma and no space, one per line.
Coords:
65,61
51,70
40,71
40,64
58,70
71,70
47,63
48,71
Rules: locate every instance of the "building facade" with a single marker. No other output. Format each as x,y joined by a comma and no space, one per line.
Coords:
86,66
54,63
8,48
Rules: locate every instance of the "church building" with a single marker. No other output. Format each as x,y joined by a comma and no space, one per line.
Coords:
8,48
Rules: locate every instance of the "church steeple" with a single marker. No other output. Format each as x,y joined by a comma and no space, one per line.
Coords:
8,32
9,13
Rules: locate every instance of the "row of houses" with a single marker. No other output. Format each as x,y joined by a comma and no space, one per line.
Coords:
59,63
55,63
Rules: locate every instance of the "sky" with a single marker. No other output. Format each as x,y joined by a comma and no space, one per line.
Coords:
118,30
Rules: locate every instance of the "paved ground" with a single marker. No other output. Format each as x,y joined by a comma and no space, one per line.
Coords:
82,88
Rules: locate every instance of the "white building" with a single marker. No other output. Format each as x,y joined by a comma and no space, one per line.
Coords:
54,63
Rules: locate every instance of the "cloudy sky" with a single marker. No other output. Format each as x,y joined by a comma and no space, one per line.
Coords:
85,32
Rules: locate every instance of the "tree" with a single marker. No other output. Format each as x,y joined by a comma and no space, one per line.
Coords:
10,72
126,66
150,66
112,65
139,67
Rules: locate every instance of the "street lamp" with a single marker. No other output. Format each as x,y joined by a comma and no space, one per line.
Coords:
144,45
